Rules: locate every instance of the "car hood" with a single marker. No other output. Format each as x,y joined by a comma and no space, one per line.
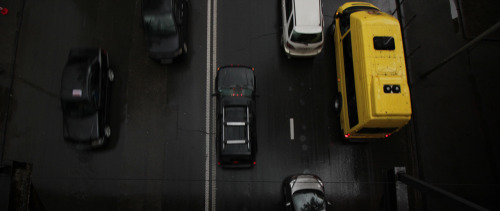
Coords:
162,44
82,128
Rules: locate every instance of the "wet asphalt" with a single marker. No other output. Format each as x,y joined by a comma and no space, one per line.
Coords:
158,158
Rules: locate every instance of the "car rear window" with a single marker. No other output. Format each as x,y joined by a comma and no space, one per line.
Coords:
306,38
383,43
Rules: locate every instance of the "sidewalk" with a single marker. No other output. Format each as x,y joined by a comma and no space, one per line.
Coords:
9,28
455,109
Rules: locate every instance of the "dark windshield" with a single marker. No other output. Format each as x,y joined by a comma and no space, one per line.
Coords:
306,38
79,109
308,200
160,24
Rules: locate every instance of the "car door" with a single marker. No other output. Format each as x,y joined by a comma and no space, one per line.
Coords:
96,94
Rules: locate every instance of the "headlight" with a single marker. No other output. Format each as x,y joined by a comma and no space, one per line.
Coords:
320,183
178,52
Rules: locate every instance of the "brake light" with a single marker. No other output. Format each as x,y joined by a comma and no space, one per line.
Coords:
235,162
218,163
254,163
347,135
387,135
288,45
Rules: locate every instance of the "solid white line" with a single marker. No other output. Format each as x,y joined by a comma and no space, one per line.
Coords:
207,110
292,135
214,67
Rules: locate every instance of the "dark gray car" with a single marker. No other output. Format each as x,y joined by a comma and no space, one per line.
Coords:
85,96
304,192
236,137
165,28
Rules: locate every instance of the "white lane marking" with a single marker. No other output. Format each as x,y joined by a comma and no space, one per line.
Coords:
207,110
292,135
214,70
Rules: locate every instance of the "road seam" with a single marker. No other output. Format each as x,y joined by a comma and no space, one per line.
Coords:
207,109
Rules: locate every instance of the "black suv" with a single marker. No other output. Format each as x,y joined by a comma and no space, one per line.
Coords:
165,28
236,138
85,96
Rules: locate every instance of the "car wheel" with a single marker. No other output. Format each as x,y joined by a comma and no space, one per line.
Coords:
111,75
107,131
338,103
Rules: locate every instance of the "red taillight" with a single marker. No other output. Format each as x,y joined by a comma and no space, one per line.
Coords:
288,45
347,135
387,135
254,163
235,162
218,163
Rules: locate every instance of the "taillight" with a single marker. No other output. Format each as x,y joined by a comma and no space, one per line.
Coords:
347,135
387,135
235,162
288,45
254,163
218,163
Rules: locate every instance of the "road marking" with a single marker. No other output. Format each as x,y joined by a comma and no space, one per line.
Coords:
207,109
292,135
214,67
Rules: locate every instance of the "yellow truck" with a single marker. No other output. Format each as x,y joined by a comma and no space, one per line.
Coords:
374,98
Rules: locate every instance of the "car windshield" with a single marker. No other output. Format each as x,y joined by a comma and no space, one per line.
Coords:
160,24
79,109
308,200
306,38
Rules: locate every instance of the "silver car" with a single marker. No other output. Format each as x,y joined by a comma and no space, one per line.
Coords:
304,192
302,25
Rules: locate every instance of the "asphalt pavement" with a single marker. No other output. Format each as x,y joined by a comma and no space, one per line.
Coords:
161,156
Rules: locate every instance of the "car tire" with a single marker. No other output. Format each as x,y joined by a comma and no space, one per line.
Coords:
107,131
338,103
111,75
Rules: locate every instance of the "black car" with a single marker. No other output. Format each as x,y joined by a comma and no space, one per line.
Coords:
165,28
85,96
236,138
304,192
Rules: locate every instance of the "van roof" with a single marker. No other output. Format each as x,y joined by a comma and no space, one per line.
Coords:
308,13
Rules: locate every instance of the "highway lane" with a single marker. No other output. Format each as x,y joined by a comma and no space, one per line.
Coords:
302,89
157,158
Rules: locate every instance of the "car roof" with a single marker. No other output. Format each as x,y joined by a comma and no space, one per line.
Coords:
236,101
154,6
74,82
307,13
